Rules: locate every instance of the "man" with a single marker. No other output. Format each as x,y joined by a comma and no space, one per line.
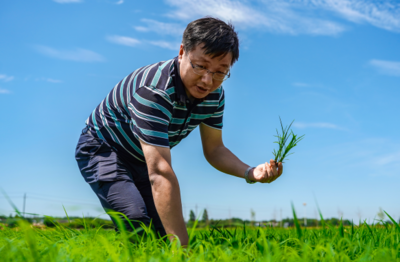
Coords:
124,152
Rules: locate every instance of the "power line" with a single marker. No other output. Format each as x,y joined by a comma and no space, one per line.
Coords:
67,201
55,200
15,194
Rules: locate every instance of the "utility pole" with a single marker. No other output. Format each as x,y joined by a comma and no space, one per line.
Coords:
305,215
196,212
23,209
340,213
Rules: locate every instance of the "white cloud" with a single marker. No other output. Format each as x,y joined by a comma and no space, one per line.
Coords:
388,159
79,54
386,67
132,42
160,27
316,125
275,16
294,16
165,44
67,1
370,157
53,80
6,78
141,28
120,2
301,84
123,40
4,91
382,14
50,80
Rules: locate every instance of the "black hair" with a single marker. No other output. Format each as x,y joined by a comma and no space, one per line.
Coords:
218,37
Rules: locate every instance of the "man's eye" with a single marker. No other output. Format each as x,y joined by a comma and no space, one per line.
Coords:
201,67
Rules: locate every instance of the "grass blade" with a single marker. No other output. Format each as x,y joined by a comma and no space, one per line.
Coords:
341,229
394,222
11,203
296,223
69,221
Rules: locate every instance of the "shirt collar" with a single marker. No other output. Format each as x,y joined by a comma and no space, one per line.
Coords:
180,88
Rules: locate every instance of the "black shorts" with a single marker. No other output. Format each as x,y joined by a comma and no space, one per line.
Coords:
120,185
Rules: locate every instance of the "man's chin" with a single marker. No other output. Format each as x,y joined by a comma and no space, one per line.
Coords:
198,95
201,93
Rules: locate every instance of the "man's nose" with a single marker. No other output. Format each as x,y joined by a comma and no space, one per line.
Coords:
207,78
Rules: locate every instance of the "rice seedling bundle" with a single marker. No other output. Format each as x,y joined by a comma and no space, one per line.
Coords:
283,147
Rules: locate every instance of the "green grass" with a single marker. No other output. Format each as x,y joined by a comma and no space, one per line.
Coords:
379,242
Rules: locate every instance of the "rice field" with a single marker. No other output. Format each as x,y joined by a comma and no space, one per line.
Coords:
378,242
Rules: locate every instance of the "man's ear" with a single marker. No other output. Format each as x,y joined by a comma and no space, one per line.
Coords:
181,53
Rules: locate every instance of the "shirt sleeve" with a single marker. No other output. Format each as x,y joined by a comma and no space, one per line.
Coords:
215,121
151,113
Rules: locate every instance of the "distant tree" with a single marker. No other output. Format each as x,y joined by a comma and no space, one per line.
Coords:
333,221
49,221
205,216
192,216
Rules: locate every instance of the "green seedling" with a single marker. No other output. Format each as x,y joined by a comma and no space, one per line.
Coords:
284,149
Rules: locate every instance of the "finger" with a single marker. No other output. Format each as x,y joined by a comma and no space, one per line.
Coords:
267,167
274,167
280,168
280,171
264,177
270,173
265,171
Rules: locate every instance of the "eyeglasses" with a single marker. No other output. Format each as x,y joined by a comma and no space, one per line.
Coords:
201,70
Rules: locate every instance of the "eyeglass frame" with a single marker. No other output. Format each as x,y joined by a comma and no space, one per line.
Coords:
228,75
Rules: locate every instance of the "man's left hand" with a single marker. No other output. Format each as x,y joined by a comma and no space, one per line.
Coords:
266,173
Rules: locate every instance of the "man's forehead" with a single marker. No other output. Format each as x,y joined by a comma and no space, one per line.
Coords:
223,60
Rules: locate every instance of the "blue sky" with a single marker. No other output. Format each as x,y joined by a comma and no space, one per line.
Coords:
332,65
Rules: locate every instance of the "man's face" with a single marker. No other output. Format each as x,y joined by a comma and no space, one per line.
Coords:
198,86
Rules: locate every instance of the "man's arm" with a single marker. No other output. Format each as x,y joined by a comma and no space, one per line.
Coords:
166,192
225,161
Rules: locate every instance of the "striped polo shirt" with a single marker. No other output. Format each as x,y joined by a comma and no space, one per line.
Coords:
151,104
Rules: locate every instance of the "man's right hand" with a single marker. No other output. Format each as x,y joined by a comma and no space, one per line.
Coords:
266,173
166,192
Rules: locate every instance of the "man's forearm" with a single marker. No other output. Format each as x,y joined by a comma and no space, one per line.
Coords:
225,161
167,199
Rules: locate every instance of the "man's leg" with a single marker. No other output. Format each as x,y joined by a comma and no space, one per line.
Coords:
115,184
122,196
147,195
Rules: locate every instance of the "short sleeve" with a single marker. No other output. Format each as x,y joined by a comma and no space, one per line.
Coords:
151,113
215,121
